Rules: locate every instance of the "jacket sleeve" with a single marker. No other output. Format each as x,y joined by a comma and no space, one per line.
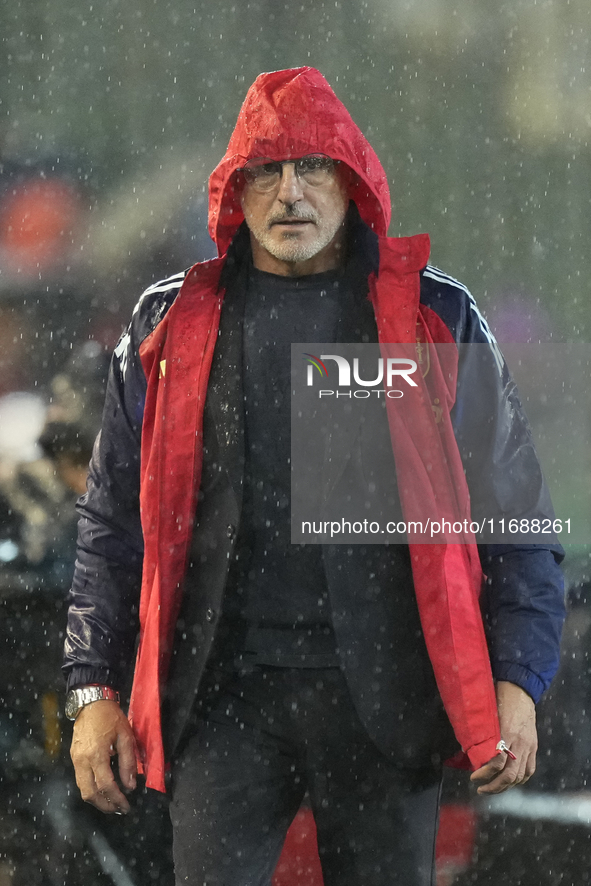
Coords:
523,599
104,599
523,605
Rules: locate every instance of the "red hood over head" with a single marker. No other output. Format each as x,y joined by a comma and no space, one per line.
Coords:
288,114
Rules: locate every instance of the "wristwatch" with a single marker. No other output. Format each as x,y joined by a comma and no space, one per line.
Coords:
76,699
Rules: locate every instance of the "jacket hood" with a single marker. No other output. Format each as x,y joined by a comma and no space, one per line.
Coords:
288,114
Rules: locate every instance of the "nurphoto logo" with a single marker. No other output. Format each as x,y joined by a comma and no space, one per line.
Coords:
396,368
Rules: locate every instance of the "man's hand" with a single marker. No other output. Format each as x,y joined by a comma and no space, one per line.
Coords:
101,731
517,716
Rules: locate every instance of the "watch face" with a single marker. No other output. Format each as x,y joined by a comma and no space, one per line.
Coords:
72,704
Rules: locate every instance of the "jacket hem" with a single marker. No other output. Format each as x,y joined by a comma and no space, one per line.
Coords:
483,752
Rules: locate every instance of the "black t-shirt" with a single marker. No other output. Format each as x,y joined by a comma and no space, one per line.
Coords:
276,590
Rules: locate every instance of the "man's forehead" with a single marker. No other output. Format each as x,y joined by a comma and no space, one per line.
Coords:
288,158
285,155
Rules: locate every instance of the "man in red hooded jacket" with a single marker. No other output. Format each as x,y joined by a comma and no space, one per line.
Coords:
266,669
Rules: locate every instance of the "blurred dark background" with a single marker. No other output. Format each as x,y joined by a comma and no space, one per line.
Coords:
480,112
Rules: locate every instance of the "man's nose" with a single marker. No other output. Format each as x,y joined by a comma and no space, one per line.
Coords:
290,186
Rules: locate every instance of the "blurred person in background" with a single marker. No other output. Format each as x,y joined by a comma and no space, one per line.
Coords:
41,479
44,453
39,486
266,669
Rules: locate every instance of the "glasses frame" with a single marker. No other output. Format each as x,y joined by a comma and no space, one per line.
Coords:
251,178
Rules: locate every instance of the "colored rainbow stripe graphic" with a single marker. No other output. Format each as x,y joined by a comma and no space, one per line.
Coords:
317,362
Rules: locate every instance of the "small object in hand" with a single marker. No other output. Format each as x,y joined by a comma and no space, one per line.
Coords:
503,747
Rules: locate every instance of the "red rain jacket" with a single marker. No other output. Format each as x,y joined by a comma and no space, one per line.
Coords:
289,114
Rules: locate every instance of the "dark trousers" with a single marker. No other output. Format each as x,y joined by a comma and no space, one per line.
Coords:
260,740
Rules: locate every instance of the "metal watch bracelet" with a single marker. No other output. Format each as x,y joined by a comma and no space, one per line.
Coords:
78,698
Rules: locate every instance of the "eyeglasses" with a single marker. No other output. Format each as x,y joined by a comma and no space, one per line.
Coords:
265,174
